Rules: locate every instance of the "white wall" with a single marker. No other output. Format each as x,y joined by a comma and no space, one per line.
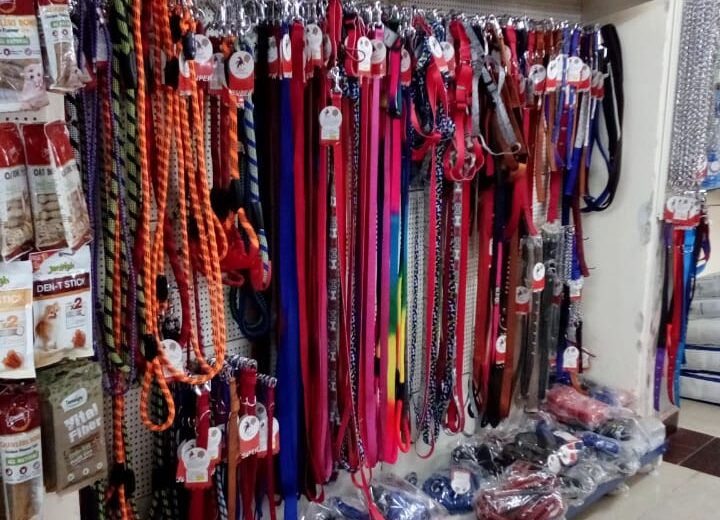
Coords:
621,296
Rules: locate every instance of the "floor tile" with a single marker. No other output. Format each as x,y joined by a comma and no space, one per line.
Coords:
706,460
684,443
700,417
645,491
694,499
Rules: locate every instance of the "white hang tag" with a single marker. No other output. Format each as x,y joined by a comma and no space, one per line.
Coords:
203,57
448,51
377,59
501,344
364,55
330,121
405,65
314,38
538,275
437,53
570,358
197,462
575,65
460,481
249,432
214,440
553,463
285,57
174,354
552,75
585,83
241,77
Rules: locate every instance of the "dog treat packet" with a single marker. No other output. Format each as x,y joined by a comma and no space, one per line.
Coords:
62,305
16,356
58,207
21,451
49,226
73,438
59,45
22,84
16,228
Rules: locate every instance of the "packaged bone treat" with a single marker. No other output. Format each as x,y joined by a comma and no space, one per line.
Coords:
49,227
62,307
16,356
59,46
58,199
21,451
22,83
16,228
71,399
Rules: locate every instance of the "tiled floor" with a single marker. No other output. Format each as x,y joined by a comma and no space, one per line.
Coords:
681,488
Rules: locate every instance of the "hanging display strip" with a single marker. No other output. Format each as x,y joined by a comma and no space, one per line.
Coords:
568,10
382,205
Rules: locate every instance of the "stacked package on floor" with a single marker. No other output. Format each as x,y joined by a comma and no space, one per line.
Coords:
700,377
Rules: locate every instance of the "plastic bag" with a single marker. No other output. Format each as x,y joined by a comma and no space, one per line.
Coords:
337,508
59,45
397,499
454,488
523,493
572,407
22,83
16,225
16,339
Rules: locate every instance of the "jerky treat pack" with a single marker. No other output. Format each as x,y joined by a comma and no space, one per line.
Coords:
58,206
59,45
16,228
21,451
22,83
73,438
62,306
16,357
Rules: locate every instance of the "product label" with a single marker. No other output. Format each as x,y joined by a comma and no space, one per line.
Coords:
60,47
20,456
23,86
16,360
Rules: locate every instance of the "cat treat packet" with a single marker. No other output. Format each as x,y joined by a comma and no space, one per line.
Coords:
58,205
16,352
21,451
59,46
73,438
62,305
16,227
22,82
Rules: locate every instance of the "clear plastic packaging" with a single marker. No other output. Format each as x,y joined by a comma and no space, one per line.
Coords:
398,499
337,508
455,488
523,493
572,407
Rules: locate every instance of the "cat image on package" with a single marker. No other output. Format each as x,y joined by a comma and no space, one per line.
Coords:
62,305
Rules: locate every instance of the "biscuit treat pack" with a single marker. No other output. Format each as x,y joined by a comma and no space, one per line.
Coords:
58,206
16,227
62,306
59,46
16,340
73,438
22,82
21,451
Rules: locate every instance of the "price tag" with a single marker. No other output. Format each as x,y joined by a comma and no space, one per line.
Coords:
330,122
553,75
522,300
585,78
203,58
285,57
570,359
273,58
538,277
575,291
378,58
449,56
405,68
241,73
683,211
314,41
214,440
500,348
197,466
249,431
364,56
554,464
575,65
537,77
174,354
437,53
460,481
263,448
